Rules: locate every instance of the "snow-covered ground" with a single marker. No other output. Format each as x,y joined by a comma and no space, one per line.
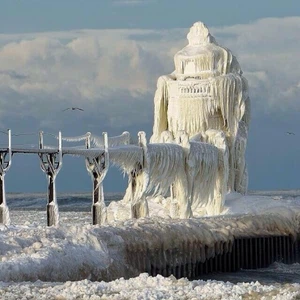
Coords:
147,287
63,263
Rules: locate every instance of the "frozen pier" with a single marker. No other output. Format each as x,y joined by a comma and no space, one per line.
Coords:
241,253
189,247
201,246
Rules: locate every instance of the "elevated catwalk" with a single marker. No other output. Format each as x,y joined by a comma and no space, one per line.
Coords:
181,247
51,159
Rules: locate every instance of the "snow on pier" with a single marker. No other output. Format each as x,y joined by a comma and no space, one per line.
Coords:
184,248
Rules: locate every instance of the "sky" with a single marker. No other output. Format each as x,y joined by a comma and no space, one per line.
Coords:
105,56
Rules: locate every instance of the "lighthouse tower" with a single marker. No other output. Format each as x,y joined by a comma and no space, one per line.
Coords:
206,91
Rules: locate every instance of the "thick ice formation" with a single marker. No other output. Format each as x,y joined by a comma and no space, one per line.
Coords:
201,119
197,151
195,171
161,165
206,91
76,250
200,131
123,139
70,257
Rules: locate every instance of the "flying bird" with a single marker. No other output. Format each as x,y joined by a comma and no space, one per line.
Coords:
73,108
291,133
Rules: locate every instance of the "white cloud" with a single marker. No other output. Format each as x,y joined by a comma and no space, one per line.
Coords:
113,73
268,53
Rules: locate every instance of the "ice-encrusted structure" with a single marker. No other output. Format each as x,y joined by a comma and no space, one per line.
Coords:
206,91
195,171
206,169
197,150
201,120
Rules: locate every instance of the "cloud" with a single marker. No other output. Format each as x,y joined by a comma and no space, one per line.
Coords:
268,53
42,75
113,73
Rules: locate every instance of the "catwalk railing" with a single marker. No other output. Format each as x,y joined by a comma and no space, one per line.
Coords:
154,168
51,159
187,257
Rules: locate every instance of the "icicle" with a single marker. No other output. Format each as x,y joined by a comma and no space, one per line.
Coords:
126,157
166,137
218,139
160,108
73,138
114,141
139,180
218,100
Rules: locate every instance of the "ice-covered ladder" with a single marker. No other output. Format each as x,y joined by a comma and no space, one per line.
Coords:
5,163
98,167
51,164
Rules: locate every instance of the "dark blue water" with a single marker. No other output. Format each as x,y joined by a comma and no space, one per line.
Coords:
66,201
277,273
83,201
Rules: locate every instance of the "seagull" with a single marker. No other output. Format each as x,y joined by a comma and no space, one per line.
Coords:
291,133
73,108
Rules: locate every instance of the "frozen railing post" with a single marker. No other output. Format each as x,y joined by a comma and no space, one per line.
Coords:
51,164
5,162
98,167
139,204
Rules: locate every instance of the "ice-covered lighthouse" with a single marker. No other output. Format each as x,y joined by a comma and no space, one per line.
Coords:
196,155
206,92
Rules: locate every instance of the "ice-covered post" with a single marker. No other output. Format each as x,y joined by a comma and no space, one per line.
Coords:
51,164
219,140
139,204
88,140
5,162
98,167
174,210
